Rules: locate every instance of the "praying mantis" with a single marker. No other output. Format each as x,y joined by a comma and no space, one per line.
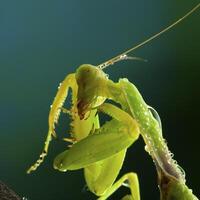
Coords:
100,149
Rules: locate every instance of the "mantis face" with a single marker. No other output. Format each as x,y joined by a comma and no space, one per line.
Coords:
89,79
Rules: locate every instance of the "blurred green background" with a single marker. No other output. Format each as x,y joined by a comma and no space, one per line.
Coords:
42,41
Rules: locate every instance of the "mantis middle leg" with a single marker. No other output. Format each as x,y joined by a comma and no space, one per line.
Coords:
133,184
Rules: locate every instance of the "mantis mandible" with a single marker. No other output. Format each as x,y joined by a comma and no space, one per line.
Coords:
101,150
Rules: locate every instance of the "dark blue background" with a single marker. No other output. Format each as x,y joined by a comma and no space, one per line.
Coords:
42,41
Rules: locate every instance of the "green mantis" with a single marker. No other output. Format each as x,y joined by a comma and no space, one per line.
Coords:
100,149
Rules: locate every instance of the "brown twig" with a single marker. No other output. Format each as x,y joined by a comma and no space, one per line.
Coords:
6,193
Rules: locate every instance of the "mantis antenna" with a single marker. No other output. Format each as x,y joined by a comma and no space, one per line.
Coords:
123,56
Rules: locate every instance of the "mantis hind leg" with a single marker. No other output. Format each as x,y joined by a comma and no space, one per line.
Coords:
133,184
56,108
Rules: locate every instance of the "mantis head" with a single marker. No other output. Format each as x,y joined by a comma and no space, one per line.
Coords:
90,80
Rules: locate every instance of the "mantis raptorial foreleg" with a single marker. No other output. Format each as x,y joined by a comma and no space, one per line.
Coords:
56,107
111,140
122,117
